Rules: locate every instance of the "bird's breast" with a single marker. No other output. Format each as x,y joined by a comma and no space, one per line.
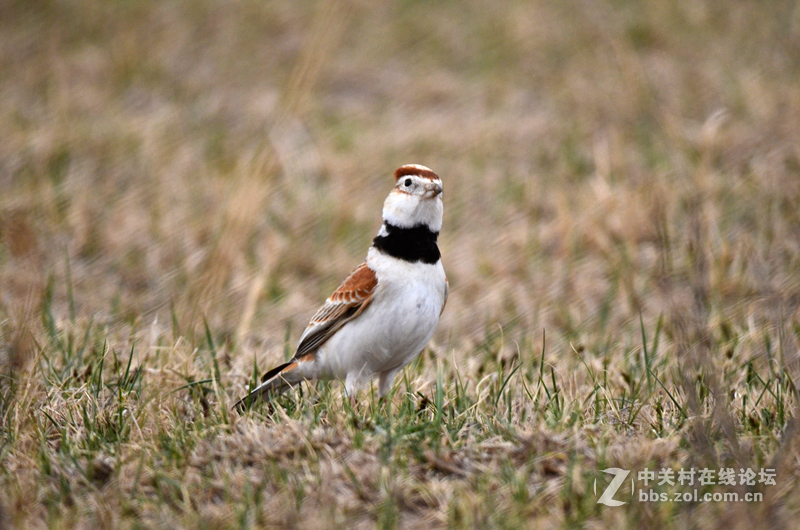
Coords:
396,325
411,299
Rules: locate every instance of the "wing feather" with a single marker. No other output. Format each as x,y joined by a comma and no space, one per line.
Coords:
345,304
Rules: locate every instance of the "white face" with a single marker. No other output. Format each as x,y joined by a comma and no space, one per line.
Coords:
415,201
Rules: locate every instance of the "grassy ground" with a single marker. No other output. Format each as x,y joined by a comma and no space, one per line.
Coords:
184,182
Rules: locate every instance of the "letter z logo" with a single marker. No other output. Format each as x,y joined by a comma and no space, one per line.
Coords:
607,497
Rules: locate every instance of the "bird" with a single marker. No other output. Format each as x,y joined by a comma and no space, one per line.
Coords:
385,312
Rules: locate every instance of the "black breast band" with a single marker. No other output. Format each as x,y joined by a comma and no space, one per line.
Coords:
409,244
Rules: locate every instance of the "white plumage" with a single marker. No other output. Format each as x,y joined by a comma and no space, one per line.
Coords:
393,329
386,311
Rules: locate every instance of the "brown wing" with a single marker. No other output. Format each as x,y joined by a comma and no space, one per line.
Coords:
345,304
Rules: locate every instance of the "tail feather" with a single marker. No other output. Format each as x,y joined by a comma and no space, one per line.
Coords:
273,381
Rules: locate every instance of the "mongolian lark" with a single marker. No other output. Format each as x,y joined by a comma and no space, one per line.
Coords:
385,312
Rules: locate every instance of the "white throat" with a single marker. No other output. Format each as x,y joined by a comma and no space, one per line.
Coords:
404,210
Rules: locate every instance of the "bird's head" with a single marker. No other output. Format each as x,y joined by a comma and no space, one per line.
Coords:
416,199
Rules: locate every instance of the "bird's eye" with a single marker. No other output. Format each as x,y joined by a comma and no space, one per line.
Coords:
407,183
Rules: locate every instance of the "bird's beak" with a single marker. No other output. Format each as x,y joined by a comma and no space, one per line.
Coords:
433,189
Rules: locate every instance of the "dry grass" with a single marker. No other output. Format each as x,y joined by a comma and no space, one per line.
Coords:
617,174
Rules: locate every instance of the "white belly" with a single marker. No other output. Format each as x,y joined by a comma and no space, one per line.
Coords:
393,329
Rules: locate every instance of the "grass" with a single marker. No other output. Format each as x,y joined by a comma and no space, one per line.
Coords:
184,182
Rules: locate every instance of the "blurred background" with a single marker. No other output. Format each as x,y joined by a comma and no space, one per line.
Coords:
617,173
165,162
